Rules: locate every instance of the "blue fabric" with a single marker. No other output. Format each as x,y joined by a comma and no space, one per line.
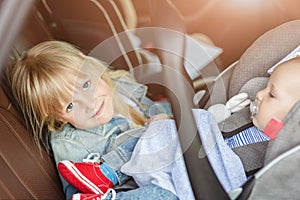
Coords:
109,173
149,192
247,136
157,159
225,163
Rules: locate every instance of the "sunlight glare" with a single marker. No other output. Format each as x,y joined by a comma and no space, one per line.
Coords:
248,2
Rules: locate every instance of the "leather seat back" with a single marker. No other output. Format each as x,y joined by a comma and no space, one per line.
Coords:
26,172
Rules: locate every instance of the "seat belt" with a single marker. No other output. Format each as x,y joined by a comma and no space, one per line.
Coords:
204,182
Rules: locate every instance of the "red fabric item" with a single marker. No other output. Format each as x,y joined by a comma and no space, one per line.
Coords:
273,128
86,196
84,176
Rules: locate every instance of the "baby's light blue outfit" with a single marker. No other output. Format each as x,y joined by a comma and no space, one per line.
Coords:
247,136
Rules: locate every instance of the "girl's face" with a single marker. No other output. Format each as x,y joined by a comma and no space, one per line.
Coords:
91,103
281,93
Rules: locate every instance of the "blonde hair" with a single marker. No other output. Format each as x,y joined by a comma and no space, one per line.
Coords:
39,84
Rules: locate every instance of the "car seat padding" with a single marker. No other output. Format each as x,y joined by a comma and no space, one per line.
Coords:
265,52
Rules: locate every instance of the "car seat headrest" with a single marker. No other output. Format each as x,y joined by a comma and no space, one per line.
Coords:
253,86
266,51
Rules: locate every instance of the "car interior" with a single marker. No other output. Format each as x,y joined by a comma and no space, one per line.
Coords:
253,35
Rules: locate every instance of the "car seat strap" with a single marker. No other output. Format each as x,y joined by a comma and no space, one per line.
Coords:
252,156
237,122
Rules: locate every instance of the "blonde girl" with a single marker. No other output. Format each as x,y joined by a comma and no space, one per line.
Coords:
44,69
75,106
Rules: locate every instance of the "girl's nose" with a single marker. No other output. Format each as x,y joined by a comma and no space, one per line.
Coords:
86,102
90,101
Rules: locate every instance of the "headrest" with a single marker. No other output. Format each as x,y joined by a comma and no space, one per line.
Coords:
265,52
253,86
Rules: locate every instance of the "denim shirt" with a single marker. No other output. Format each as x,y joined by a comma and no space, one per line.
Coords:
75,144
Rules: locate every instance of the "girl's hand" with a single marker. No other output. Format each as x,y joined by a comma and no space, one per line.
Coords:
158,117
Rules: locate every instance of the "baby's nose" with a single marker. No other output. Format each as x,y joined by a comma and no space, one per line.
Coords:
259,95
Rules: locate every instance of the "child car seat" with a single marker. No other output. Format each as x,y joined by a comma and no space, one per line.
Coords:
278,158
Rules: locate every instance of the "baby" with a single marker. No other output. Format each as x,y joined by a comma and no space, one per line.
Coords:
280,94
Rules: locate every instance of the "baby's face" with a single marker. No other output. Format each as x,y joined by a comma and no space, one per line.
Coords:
280,95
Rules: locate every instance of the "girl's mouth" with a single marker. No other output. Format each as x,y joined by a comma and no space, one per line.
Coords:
99,111
254,108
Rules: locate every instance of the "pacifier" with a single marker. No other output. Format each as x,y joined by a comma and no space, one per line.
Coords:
253,108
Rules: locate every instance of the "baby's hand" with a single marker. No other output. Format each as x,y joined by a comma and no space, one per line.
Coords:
158,117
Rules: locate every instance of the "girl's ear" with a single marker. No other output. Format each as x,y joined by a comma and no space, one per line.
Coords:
61,120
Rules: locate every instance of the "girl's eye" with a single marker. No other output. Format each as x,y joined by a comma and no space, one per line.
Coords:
271,95
86,85
70,107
